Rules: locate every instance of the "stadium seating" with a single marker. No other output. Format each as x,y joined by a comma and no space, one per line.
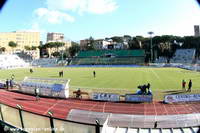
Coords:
26,57
45,62
185,56
109,57
161,60
151,130
107,61
198,61
8,61
124,123
119,53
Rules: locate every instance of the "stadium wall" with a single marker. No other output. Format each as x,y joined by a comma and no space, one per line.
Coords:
16,119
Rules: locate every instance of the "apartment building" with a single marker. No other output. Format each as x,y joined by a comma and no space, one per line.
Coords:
22,38
57,37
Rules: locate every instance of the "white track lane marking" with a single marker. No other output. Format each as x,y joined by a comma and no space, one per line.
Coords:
52,107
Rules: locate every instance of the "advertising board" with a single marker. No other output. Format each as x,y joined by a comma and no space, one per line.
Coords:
138,98
57,87
182,98
105,97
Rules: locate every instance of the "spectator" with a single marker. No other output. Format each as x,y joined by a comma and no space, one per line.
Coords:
183,84
11,83
78,93
12,77
148,86
7,84
94,74
31,70
61,73
189,86
144,89
37,94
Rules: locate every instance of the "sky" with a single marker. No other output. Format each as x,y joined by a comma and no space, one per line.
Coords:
80,19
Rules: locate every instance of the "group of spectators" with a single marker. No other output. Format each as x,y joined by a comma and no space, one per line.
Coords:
189,85
10,83
144,89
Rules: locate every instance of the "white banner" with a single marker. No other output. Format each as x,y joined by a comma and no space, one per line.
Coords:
182,98
105,97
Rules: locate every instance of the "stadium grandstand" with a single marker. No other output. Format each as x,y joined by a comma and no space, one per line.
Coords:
48,62
9,61
161,60
109,57
26,57
185,56
45,62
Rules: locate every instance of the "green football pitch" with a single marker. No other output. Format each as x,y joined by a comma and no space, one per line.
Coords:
116,80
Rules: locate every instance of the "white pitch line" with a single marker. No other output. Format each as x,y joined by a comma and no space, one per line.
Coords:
157,76
99,88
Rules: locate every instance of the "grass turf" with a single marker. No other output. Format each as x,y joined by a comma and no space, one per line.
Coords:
116,80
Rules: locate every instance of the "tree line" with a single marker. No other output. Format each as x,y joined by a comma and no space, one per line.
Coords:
164,45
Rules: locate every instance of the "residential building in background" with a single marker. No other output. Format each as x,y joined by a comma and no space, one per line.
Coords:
57,37
103,43
84,43
106,43
22,38
196,30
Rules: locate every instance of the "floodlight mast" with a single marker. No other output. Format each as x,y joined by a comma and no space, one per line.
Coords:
62,59
151,47
62,55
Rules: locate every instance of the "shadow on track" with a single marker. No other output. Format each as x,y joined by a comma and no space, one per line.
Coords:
174,92
22,99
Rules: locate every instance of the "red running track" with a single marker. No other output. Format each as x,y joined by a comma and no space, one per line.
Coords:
61,107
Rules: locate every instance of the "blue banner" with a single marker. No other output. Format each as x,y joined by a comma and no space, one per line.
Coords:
2,85
57,87
138,98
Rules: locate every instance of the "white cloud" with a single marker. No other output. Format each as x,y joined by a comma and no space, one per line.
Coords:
53,16
101,6
81,6
36,27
